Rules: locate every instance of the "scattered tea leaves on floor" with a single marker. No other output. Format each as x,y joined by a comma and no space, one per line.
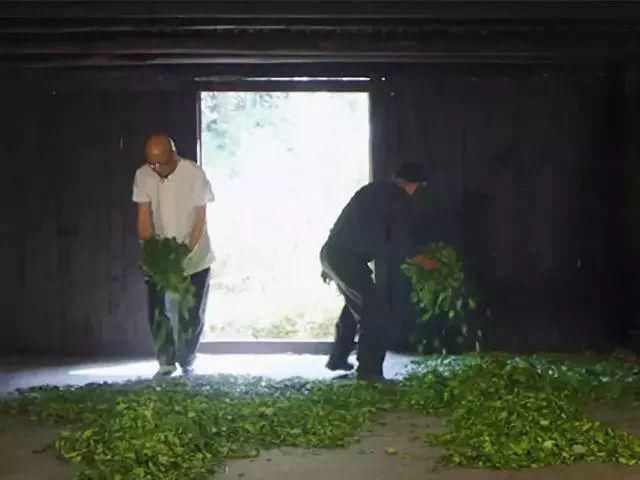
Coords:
502,412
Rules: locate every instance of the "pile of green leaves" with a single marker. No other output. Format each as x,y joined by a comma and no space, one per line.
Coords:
163,264
507,413
439,291
503,412
182,430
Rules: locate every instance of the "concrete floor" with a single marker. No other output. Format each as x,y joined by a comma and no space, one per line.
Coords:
20,441
23,373
369,459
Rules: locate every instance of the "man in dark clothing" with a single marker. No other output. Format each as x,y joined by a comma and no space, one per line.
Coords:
378,222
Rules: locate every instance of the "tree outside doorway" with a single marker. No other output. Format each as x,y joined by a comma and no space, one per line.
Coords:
282,165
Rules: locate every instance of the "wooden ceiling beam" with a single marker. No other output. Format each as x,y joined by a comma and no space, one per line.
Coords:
586,55
203,76
426,9
275,43
38,30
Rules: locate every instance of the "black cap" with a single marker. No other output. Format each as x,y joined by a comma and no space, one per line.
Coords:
411,172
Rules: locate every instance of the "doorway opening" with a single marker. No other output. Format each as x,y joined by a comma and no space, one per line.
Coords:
282,165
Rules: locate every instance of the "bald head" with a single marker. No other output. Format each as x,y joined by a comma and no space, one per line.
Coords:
160,151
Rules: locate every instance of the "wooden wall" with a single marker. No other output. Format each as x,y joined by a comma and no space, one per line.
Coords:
631,211
525,169
527,175
69,254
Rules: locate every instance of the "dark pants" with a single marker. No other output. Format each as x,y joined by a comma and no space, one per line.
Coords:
177,344
364,311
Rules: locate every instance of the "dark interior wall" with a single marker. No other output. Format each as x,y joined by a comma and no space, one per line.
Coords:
71,283
631,210
525,181
525,174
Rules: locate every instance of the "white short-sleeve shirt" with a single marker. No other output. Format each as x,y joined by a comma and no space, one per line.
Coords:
173,202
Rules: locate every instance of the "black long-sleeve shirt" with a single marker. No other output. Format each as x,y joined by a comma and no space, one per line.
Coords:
380,221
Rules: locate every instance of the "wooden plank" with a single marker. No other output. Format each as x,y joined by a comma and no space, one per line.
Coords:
17,139
39,307
283,44
175,77
478,10
631,211
51,28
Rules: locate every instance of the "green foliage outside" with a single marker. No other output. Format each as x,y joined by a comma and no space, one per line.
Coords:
228,115
272,158
502,412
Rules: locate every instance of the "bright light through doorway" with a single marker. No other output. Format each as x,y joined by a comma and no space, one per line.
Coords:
283,165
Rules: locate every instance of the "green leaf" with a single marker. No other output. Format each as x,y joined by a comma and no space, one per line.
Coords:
579,449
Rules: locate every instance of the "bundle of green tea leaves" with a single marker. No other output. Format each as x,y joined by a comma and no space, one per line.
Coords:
440,291
163,264
442,300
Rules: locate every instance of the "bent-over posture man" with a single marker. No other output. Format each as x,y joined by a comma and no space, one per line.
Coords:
376,223
172,194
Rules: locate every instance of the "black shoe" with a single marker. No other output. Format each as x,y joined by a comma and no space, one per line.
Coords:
187,371
335,365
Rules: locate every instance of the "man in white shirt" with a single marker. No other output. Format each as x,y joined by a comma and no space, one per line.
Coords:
172,193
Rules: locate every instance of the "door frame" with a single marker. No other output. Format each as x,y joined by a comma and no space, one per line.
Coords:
282,84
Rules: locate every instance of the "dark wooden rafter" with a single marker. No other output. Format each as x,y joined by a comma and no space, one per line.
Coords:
328,9
282,47
34,17
146,32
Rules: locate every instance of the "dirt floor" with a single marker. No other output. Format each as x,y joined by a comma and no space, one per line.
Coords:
392,450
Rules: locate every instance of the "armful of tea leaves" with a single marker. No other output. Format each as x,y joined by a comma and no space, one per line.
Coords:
437,281
163,265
